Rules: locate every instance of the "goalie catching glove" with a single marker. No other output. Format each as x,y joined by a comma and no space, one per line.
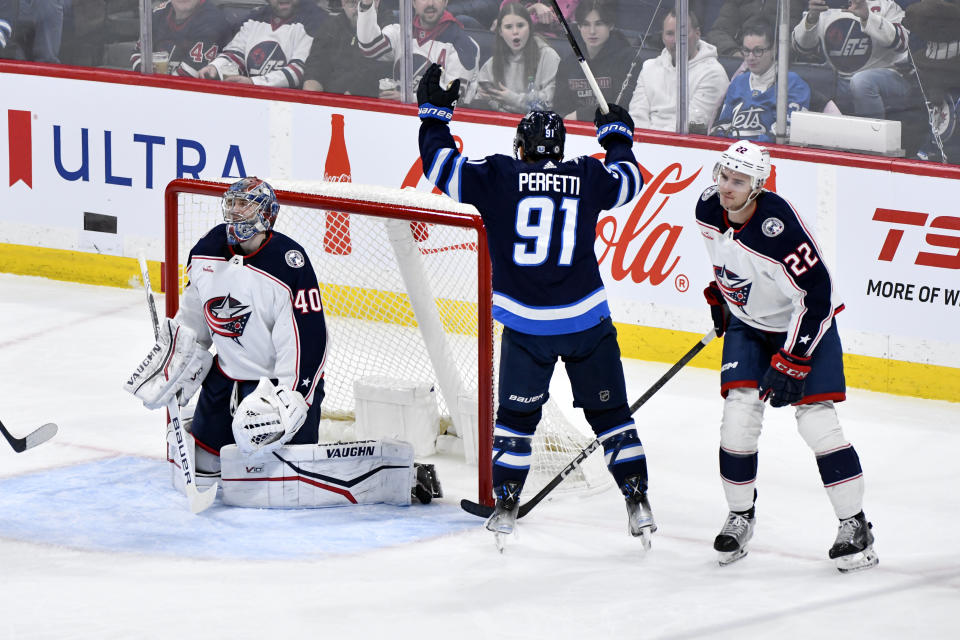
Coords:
174,367
268,418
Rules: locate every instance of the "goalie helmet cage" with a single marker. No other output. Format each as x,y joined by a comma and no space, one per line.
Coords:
406,288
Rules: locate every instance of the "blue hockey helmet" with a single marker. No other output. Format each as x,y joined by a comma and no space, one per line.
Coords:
249,207
540,134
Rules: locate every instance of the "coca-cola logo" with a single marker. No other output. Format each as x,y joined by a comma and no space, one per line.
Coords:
642,250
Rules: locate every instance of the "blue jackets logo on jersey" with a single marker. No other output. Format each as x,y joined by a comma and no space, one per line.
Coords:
226,316
735,289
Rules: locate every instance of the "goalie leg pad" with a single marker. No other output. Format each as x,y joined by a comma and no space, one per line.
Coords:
324,475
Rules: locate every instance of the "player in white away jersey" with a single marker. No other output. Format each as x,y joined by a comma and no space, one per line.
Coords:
773,297
252,294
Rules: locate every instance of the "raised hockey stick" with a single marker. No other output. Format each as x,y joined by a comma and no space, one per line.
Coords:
587,73
198,500
484,511
32,439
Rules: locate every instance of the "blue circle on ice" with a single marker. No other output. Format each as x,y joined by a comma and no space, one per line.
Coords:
127,504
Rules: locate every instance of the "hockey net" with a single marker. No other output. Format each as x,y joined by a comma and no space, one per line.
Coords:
405,282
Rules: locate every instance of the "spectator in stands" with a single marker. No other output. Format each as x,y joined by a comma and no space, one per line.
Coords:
39,29
726,32
474,14
271,46
609,55
521,75
750,107
545,21
437,37
654,102
935,41
336,64
867,45
8,15
191,32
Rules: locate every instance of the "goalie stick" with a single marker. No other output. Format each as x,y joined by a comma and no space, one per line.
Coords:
198,501
32,439
484,511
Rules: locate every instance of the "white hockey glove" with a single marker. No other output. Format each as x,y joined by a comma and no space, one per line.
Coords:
268,418
175,364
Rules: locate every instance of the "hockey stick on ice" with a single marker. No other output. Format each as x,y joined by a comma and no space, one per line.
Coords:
198,501
484,511
32,439
587,73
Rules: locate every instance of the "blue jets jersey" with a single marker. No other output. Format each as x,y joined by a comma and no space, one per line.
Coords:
540,220
262,311
770,270
749,114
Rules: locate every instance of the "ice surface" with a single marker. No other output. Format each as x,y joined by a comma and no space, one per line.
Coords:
94,543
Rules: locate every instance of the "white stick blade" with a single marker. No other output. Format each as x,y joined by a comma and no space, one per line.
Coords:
201,501
41,435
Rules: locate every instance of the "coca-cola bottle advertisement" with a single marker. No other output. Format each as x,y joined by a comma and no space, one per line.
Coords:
336,236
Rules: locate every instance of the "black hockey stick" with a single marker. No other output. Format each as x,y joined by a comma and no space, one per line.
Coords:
588,74
35,437
484,511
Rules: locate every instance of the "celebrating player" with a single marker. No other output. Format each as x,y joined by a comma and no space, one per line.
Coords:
254,295
540,215
773,297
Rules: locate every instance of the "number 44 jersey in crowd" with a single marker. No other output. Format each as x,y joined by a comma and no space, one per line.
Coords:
541,220
262,311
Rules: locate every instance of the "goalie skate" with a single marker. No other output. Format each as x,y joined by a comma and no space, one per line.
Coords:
504,517
853,548
731,542
640,522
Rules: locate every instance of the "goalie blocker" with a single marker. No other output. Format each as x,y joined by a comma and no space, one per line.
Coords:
323,475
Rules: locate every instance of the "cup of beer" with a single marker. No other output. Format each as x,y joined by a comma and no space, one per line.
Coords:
161,62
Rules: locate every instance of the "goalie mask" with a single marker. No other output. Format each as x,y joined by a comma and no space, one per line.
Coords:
540,134
249,207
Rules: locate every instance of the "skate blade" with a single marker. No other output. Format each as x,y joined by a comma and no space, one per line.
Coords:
500,540
866,559
729,557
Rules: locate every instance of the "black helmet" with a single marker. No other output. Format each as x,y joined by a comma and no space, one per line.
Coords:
540,134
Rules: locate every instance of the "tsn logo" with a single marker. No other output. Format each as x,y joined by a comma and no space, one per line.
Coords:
917,219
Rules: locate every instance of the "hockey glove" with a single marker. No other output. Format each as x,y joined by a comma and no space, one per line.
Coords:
435,102
175,366
616,126
718,308
268,418
783,382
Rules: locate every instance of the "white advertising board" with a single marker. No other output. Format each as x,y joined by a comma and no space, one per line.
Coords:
76,146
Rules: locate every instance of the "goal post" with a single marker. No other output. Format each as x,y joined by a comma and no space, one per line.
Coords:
405,281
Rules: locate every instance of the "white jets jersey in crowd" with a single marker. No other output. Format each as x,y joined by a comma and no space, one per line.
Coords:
770,270
270,51
262,311
850,46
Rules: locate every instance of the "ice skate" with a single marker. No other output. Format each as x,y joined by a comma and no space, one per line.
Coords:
426,483
504,517
732,540
640,522
853,548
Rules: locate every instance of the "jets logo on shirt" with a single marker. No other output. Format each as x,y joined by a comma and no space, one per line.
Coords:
735,289
226,316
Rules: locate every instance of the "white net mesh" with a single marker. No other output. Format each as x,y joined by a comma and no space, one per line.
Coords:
373,329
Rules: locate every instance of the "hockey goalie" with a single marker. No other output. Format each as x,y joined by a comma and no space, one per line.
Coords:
252,295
